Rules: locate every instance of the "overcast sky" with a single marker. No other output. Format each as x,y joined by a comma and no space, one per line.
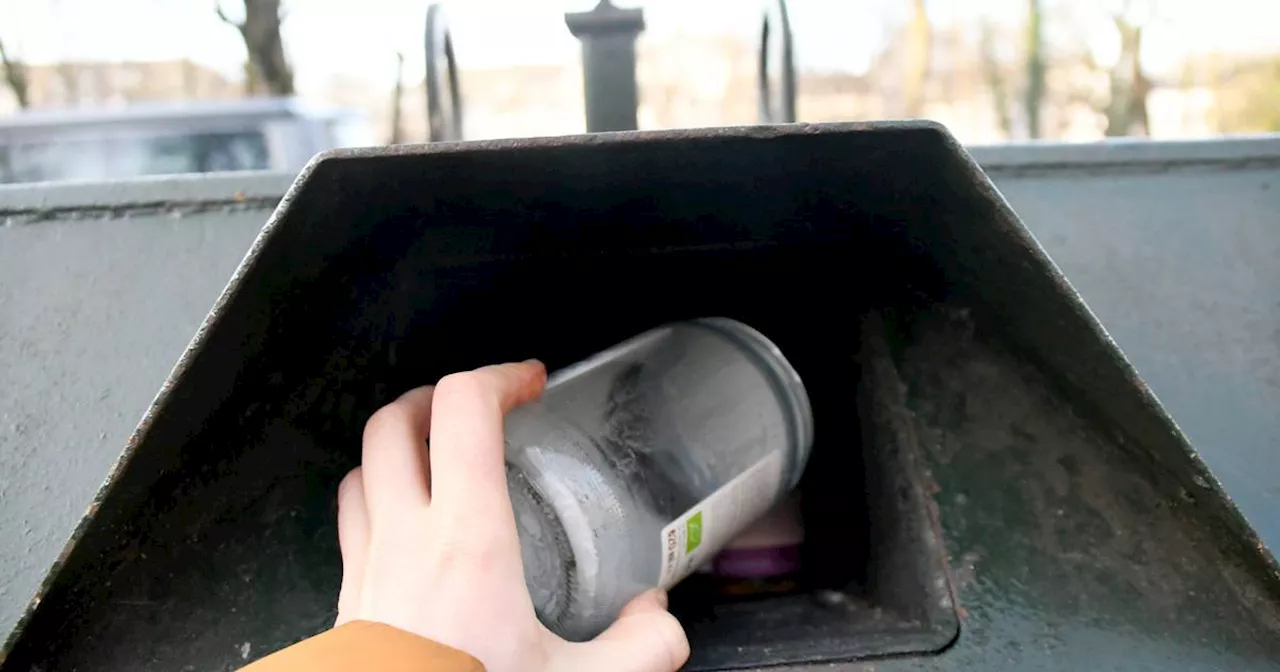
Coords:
360,37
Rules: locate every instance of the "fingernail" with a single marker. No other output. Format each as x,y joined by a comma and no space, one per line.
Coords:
538,363
660,596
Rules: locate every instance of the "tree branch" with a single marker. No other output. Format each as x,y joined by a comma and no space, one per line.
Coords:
919,44
217,7
15,74
995,78
268,66
1036,69
397,102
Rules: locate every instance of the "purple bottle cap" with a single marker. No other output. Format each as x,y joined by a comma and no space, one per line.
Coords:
757,563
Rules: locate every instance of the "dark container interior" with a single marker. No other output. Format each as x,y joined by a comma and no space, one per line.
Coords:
873,580
241,535
215,542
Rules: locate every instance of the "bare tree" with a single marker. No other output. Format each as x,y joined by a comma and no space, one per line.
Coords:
1127,109
15,75
919,52
261,32
397,103
993,73
1035,93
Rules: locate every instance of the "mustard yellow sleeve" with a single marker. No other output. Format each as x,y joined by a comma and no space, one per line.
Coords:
364,645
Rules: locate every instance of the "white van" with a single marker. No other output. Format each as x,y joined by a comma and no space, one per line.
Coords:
159,139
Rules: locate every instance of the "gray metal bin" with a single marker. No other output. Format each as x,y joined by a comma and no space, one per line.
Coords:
968,406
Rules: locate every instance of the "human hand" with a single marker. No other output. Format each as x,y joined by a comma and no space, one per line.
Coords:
429,540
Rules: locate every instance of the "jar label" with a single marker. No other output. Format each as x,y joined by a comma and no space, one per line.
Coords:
696,535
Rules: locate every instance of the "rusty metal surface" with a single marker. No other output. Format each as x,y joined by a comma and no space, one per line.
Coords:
235,508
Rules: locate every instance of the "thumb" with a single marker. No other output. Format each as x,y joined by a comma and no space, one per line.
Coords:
645,638
353,542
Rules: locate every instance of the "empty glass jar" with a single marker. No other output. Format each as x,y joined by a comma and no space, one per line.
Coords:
642,461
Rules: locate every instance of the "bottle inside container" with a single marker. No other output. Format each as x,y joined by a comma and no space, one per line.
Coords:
639,463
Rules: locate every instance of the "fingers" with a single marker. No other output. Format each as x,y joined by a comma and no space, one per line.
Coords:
645,638
353,540
646,602
467,438
397,473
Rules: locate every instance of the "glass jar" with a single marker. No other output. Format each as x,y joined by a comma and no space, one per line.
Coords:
640,462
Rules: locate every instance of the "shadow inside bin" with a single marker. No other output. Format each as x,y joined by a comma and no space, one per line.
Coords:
233,553
873,580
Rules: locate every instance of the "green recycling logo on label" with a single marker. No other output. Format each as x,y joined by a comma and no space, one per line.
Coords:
693,533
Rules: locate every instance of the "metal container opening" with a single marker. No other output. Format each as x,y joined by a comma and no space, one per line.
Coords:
873,578
1032,449
235,541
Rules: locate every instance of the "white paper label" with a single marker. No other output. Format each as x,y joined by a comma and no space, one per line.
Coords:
705,528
